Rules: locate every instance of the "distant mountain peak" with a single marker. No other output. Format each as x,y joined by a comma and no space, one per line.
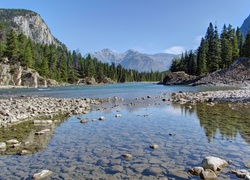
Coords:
132,59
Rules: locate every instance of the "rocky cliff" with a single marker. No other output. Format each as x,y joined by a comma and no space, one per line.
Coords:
28,23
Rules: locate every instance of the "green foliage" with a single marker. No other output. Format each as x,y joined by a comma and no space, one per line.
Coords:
12,48
214,52
246,46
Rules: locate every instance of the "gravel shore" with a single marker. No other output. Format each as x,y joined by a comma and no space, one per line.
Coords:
242,95
17,110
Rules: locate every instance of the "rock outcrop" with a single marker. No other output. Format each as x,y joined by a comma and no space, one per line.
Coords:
18,76
178,78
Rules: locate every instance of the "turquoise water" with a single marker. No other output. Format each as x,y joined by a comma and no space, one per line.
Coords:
93,150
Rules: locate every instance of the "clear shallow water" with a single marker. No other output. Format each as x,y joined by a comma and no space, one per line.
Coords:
93,150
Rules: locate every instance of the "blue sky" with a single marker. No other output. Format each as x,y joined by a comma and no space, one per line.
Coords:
148,26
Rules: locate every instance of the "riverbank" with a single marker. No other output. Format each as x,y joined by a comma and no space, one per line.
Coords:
241,96
17,110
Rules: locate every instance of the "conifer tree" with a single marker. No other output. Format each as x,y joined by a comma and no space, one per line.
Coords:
246,46
226,53
213,53
12,50
202,57
240,39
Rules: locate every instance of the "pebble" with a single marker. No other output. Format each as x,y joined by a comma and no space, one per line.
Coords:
101,118
118,115
12,141
154,146
127,156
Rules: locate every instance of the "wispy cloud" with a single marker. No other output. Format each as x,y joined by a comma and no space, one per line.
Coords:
175,50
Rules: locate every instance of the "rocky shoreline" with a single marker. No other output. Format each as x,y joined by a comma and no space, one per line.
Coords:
240,96
17,110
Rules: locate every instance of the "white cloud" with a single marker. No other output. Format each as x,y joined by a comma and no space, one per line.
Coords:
175,50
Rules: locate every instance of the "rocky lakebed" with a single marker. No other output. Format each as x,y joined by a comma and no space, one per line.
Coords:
176,135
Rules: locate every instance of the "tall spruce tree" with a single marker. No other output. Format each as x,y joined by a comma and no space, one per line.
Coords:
213,53
202,57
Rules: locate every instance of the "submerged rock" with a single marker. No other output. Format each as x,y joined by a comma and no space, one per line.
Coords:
101,118
196,171
118,115
84,121
127,156
242,173
154,146
208,174
42,174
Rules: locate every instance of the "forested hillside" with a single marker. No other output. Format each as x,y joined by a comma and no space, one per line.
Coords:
58,63
216,51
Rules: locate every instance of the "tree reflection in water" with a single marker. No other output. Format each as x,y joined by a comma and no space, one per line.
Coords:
25,134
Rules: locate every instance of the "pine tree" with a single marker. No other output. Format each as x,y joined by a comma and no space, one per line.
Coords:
192,68
213,53
202,57
12,50
246,46
241,40
226,53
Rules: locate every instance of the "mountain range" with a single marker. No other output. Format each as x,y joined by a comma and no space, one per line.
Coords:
132,59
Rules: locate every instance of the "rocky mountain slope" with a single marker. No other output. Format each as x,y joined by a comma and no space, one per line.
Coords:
245,27
132,59
28,23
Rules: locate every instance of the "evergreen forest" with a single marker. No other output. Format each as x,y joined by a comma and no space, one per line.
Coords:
62,65
216,51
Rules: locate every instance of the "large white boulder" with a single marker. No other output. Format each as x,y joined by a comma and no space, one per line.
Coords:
214,163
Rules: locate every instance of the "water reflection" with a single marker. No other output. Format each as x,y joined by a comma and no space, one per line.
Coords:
226,119
28,136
